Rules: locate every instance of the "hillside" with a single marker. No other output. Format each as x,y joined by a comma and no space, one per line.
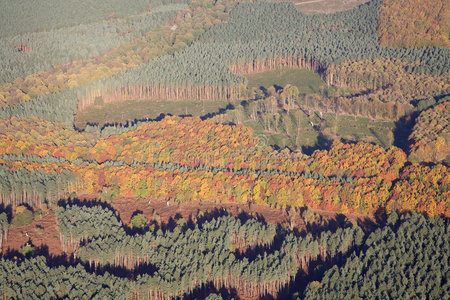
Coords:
208,149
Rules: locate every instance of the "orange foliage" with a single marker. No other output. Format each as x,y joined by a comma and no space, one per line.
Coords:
423,189
386,80
414,23
347,178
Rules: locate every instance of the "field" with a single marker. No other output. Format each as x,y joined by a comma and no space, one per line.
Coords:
326,6
121,112
354,129
306,81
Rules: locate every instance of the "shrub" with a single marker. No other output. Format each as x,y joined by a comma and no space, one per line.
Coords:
25,217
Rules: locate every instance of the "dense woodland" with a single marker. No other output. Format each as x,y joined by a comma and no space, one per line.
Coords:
286,148
218,163
62,45
409,23
216,250
226,252
258,37
430,135
408,258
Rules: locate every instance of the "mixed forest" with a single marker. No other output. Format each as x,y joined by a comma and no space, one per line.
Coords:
199,149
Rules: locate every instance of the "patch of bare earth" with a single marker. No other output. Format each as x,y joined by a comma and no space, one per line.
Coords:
41,233
163,211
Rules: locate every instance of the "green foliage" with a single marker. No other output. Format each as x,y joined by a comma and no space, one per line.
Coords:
34,279
23,218
21,16
214,297
138,221
38,184
265,31
27,250
77,222
3,222
408,258
62,45
187,257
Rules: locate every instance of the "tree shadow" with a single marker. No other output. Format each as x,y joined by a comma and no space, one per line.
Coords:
323,143
7,210
207,289
402,131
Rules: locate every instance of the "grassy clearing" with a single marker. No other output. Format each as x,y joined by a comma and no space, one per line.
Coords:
306,81
309,131
121,112
359,129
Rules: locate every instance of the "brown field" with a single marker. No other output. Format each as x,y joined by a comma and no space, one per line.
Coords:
42,233
326,6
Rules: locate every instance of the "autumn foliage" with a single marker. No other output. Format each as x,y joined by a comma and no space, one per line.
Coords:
414,23
423,189
430,138
153,44
188,159
386,79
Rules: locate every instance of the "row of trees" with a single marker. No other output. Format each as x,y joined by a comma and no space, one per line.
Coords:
261,36
182,159
33,187
387,79
408,258
38,278
187,258
64,45
59,107
79,223
192,143
3,228
430,137
175,35
19,17
362,194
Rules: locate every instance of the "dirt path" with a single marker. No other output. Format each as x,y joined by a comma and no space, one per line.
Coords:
307,2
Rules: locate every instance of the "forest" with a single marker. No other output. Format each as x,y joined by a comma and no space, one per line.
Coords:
200,149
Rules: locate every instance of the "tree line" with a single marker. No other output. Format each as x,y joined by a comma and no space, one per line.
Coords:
407,258
186,258
34,52
257,36
154,161
188,24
